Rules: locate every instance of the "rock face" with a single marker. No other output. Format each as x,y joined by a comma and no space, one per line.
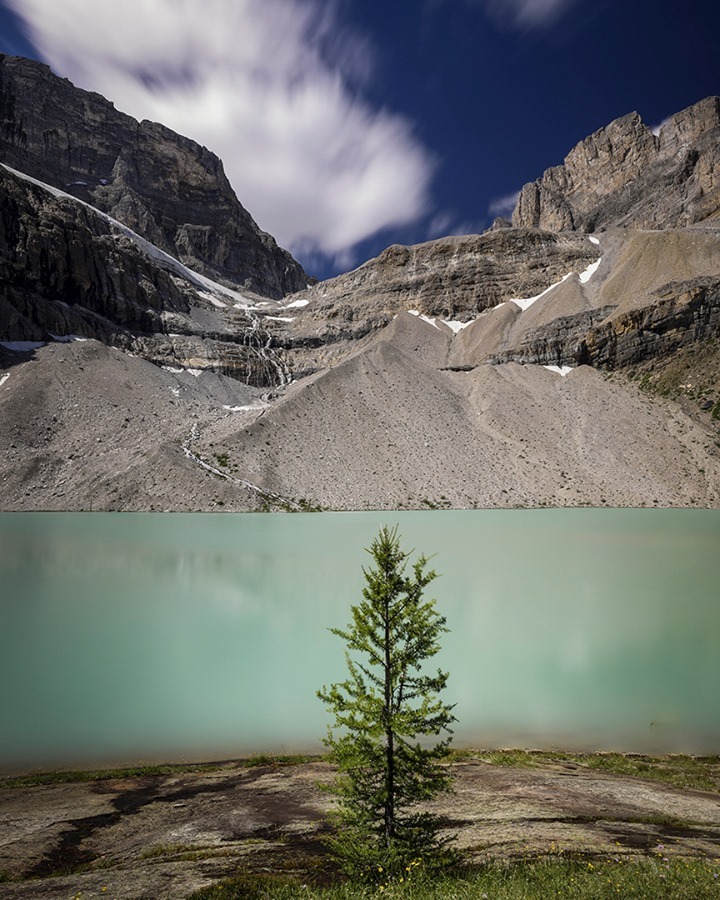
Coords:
626,176
66,269
652,293
416,380
166,187
684,313
455,278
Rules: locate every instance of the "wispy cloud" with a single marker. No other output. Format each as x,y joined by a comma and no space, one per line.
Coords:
656,128
274,87
526,14
503,206
439,225
445,224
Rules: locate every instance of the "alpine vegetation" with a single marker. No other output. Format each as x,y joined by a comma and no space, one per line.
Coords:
386,713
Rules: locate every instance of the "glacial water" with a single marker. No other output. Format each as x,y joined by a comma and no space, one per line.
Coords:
146,636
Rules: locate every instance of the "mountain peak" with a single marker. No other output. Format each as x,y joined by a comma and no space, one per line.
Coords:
168,188
624,175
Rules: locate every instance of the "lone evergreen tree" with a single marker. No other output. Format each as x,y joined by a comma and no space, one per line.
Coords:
382,709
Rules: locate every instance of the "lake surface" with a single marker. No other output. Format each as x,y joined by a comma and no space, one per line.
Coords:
138,636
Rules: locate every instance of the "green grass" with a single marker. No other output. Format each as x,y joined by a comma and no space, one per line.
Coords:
149,771
688,772
186,852
646,879
699,773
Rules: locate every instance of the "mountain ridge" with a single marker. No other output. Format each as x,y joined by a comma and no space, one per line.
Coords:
168,188
526,366
625,175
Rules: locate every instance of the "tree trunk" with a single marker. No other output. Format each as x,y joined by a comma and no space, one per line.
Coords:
389,739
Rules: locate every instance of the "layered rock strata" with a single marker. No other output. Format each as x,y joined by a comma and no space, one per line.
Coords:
169,189
454,278
569,300
624,175
66,269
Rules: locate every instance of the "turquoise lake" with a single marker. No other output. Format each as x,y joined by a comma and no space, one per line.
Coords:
169,636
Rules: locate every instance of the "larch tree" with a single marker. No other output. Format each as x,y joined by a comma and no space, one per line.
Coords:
387,713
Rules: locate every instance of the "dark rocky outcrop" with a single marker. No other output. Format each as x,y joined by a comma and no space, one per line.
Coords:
560,343
454,278
66,270
683,314
625,176
168,188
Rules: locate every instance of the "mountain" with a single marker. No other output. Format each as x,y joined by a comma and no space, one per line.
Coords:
68,269
158,352
127,233
167,188
626,176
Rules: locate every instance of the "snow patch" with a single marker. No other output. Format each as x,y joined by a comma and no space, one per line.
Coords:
254,407
415,312
177,370
561,370
281,318
525,303
594,240
589,272
296,304
3,379
68,338
150,250
457,326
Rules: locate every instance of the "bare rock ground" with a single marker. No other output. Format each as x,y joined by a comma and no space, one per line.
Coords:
385,430
88,427
85,426
166,836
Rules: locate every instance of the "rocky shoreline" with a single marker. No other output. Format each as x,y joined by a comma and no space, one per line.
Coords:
166,835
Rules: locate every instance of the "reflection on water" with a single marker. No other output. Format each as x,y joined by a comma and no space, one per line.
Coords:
131,635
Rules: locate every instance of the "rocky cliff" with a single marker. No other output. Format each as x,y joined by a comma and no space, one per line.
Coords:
625,176
165,187
421,379
454,278
67,269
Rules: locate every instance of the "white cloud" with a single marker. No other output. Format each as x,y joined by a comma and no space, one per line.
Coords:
445,224
526,14
439,225
503,206
272,86
656,128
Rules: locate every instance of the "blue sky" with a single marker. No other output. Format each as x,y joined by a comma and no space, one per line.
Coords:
348,125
